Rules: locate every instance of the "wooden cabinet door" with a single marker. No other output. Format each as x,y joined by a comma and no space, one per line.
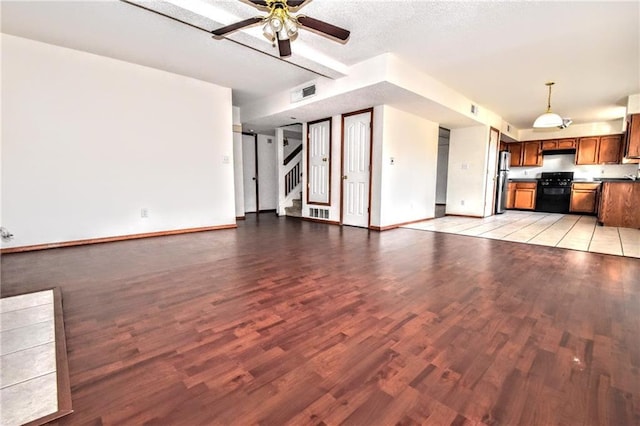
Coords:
619,203
610,149
549,145
587,150
516,154
583,201
525,199
511,193
531,155
633,137
567,143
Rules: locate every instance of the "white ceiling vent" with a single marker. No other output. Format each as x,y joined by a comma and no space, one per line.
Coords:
304,92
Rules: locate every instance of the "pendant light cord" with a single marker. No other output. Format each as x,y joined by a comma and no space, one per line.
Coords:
551,83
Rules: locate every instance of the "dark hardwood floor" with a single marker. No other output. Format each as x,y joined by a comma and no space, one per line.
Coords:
283,321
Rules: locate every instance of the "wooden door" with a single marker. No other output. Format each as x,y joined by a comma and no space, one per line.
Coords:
515,149
610,149
319,162
583,201
587,150
633,137
568,143
249,173
511,194
531,155
525,199
356,157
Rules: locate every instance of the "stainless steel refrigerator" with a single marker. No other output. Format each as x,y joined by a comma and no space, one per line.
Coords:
504,159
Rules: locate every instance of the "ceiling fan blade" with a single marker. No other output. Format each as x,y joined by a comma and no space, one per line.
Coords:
221,32
323,27
259,2
284,47
296,3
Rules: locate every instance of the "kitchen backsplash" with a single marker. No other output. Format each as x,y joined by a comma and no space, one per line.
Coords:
566,163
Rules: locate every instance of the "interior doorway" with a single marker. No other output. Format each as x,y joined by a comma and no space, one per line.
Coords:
250,171
442,172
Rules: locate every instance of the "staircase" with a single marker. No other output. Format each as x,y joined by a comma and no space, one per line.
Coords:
296,209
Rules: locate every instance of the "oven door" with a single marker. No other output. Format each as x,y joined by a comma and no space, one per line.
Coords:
553,199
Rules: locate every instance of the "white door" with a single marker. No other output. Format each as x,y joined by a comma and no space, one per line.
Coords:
319,149
356,157
249,177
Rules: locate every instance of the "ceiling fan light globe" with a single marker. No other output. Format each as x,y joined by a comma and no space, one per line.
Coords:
276,24
267,31
290,27
282,35
547,120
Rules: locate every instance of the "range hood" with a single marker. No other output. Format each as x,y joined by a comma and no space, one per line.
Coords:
559,151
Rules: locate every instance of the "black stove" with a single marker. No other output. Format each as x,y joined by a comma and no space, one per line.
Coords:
554,192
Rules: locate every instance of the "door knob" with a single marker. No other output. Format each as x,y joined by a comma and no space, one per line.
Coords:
254,178
324,159
344,177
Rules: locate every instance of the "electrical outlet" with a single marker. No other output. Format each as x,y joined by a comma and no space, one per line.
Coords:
144,213
462,202
225,159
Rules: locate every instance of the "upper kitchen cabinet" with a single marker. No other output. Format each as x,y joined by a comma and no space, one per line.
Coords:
632,142
610,149
515,149
525,153
531,154
587,151
599,150
556,144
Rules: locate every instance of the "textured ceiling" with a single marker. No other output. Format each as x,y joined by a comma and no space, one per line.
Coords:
499,54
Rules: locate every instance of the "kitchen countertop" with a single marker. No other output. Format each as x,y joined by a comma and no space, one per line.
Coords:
581,180
627,180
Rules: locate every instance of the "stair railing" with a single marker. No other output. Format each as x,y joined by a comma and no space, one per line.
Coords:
292,179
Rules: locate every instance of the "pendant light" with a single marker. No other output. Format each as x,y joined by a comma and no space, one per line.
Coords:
548,119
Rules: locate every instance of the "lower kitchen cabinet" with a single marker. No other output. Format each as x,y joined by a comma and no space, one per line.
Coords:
584,197
511,193
619,203
524,197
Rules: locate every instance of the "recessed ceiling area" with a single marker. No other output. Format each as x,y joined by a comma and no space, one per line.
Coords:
498,54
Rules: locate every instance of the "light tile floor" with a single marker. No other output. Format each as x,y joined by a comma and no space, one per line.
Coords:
574,232
28,380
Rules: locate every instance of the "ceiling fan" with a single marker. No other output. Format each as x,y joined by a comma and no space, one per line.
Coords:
281,26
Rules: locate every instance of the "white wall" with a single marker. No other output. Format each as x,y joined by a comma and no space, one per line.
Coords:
238,173
293,144
268,173
633,104
566,163
88,141
408,186
467,168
